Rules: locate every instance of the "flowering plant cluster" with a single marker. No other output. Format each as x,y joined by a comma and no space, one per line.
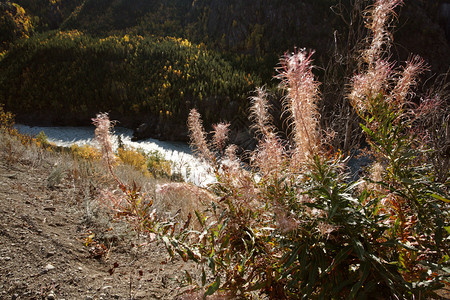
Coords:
291,224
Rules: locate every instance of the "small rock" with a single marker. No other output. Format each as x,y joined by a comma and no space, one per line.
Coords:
50,253
49,208
49,267
51,296
140,294
107,287
89,298
7,258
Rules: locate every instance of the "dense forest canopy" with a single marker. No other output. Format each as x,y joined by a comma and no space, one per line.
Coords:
91,55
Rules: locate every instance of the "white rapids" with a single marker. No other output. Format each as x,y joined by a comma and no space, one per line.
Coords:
179,154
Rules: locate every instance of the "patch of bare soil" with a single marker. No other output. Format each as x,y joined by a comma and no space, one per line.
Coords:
52,245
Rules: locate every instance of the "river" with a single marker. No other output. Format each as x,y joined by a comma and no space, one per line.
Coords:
179,154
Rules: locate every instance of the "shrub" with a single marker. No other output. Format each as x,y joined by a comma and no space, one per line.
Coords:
132,157
85,152
6,119
131,203
158,166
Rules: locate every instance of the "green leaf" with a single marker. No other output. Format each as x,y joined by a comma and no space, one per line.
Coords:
292,257
436,196
407,180
342,255
367,130
200,218
212,288
191,255
225,242
188,277
359,284
203,277
212,264
334,209
359,248
259,286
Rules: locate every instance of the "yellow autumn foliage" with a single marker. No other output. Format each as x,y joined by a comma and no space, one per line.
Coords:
132,157
85,152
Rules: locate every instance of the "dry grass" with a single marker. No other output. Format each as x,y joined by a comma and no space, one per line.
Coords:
177,201
86,177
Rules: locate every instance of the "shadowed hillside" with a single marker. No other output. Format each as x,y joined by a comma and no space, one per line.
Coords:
240,43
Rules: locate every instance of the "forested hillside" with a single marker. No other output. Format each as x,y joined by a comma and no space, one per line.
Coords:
151,61
66,77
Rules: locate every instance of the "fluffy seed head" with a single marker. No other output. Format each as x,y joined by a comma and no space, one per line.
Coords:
198,136
407,79
269,157
284,222
378,19
259,112
367,85
302,93
220,136
103,135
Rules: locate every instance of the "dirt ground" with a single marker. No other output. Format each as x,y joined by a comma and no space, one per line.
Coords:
52,246
57,243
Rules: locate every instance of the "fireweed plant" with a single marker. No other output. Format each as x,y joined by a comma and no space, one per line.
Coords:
130,203
291,223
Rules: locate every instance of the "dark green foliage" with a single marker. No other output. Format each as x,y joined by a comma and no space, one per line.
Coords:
250,35
49,14
69,73
15,24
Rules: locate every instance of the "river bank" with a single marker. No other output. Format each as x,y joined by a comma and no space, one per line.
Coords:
181,156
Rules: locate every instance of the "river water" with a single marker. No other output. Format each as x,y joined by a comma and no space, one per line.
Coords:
180,155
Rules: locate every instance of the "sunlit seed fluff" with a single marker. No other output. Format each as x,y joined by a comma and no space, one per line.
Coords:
300,101
407,79
103,136
259,112
378,20
198,136
368,84
220,136
269,156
